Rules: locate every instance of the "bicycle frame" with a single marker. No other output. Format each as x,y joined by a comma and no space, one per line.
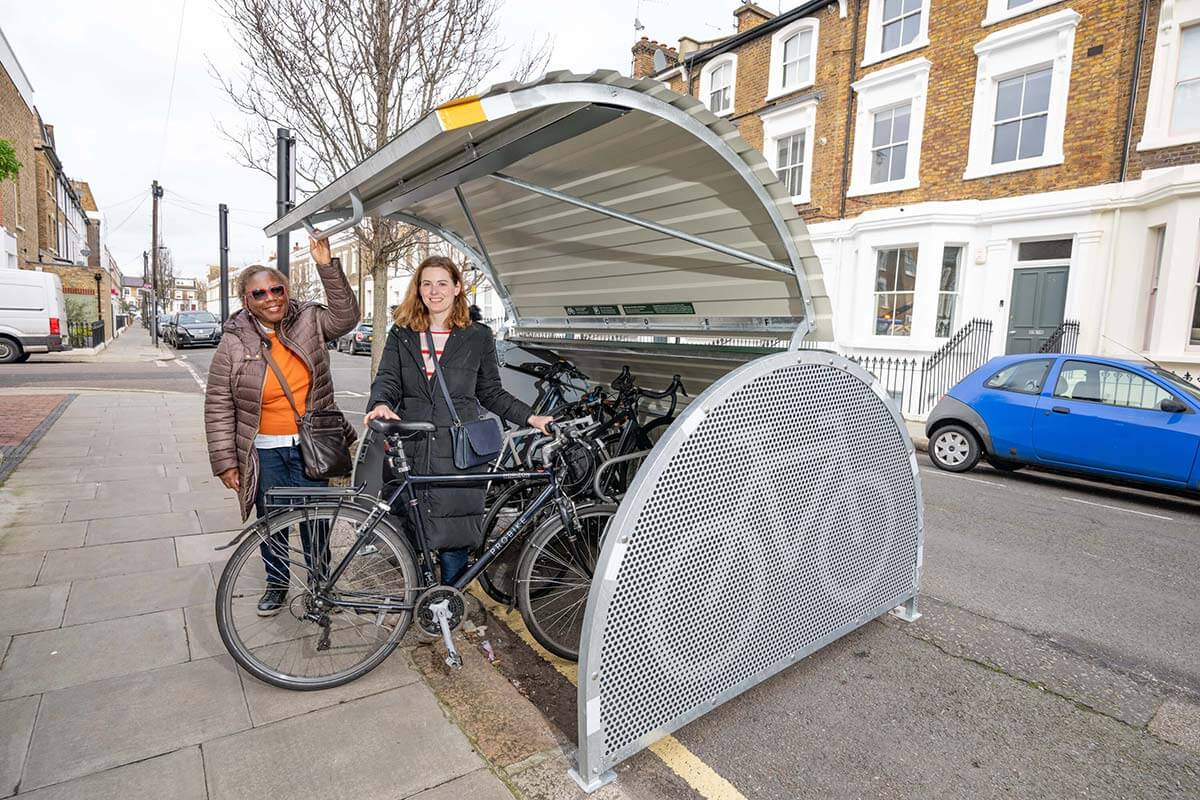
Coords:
405,491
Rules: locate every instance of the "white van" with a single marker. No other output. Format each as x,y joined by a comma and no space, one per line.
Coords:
32,314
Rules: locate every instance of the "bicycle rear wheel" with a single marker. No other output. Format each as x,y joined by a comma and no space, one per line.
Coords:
555,576
307,644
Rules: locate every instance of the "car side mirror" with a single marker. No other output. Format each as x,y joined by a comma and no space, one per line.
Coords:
1170,404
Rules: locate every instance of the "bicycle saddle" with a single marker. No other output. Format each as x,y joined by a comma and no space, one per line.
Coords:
391,427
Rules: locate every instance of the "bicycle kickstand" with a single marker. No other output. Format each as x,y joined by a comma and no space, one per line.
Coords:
441,612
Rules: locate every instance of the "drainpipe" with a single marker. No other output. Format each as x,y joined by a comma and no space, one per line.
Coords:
1133,87
850,110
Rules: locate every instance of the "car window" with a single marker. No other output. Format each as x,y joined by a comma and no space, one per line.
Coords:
1024,376
197,319
1104,383
1178,383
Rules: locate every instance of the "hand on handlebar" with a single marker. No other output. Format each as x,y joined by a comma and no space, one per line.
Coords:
540,422
380,411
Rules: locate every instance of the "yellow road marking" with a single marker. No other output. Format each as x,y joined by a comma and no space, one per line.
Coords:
683,762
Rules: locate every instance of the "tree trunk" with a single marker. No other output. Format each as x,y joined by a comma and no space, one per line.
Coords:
379,310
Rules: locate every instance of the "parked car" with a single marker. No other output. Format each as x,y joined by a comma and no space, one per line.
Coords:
356,341
164,324
193,329
1102,417
32,314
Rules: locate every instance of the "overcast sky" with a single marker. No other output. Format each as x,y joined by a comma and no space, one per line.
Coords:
101,74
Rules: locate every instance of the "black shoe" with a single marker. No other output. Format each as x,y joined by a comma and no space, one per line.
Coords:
271,602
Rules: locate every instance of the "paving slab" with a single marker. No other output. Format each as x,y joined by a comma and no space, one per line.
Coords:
123,472
401,734
20,570
1178,721
39,538
126,595
29,512
270,704
225,519
198,549
85,489
107,559
136,529
137,488
175,776
478,785
56,659
66,452
16,725
36,608
125,506
108,723
214,499
25,476
131,447
204,641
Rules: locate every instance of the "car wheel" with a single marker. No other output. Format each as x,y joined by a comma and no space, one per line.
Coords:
10,351
954,448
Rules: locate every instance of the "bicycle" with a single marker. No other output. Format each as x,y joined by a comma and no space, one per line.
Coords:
596,476
349,606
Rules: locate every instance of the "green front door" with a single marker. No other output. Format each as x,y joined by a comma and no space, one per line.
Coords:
1039,295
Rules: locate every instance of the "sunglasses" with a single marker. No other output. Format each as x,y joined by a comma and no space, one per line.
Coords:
276,291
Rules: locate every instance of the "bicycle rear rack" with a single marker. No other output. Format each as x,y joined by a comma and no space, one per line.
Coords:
322,496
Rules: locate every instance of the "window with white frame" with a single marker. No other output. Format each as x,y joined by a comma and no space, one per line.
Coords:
788,142
793,58
1021,86
889,126
1022,104
895,281
1185,111
717,84
948,290
1173,99
1194,338
895,27
1000,10
889,144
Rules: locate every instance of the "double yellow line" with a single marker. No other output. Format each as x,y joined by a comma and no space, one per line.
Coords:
683,762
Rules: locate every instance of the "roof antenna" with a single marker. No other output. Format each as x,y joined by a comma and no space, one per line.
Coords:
1142,356
637,22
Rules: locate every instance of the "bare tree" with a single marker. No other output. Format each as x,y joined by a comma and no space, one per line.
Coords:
348,75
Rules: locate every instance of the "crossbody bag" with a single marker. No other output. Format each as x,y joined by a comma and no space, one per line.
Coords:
325,437
475,442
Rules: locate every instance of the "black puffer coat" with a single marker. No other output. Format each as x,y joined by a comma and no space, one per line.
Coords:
469,365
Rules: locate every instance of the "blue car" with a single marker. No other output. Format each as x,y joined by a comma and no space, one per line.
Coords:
1103,417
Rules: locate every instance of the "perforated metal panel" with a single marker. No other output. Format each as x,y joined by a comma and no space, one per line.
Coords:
781,511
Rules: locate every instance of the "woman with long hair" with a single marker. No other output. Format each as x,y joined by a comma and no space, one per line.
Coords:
406,388
249,422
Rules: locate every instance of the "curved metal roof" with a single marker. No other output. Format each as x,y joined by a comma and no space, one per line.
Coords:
671,222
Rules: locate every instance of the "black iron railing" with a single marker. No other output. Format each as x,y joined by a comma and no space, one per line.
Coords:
86,334
1064,339
916,383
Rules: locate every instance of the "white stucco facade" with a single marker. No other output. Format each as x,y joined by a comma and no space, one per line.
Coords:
1118,288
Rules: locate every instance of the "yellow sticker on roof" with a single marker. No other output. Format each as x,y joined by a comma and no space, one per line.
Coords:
460,113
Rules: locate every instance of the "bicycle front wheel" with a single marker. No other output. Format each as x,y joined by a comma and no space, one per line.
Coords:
555,576
297,638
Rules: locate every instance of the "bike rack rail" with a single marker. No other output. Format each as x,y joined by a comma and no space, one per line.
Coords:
622,223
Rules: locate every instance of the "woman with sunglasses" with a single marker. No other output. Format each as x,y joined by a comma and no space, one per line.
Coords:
248,419
406,386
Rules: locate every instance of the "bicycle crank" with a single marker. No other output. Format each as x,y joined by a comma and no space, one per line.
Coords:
439,611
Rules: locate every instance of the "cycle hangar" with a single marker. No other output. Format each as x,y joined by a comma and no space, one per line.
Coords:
622,223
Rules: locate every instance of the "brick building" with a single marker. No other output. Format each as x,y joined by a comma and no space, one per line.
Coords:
19,127
1021,161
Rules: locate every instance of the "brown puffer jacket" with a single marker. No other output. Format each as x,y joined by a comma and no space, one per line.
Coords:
233,399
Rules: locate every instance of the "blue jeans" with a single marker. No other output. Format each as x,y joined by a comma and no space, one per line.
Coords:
453,563
281,467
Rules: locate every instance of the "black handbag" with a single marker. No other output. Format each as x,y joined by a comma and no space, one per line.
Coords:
475,442
325,436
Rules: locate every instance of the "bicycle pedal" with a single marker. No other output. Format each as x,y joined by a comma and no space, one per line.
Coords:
454,660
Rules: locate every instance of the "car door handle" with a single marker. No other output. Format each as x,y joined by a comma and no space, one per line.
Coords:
1061,410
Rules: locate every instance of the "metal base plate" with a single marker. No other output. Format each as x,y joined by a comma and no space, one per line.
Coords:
907,612
603,779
